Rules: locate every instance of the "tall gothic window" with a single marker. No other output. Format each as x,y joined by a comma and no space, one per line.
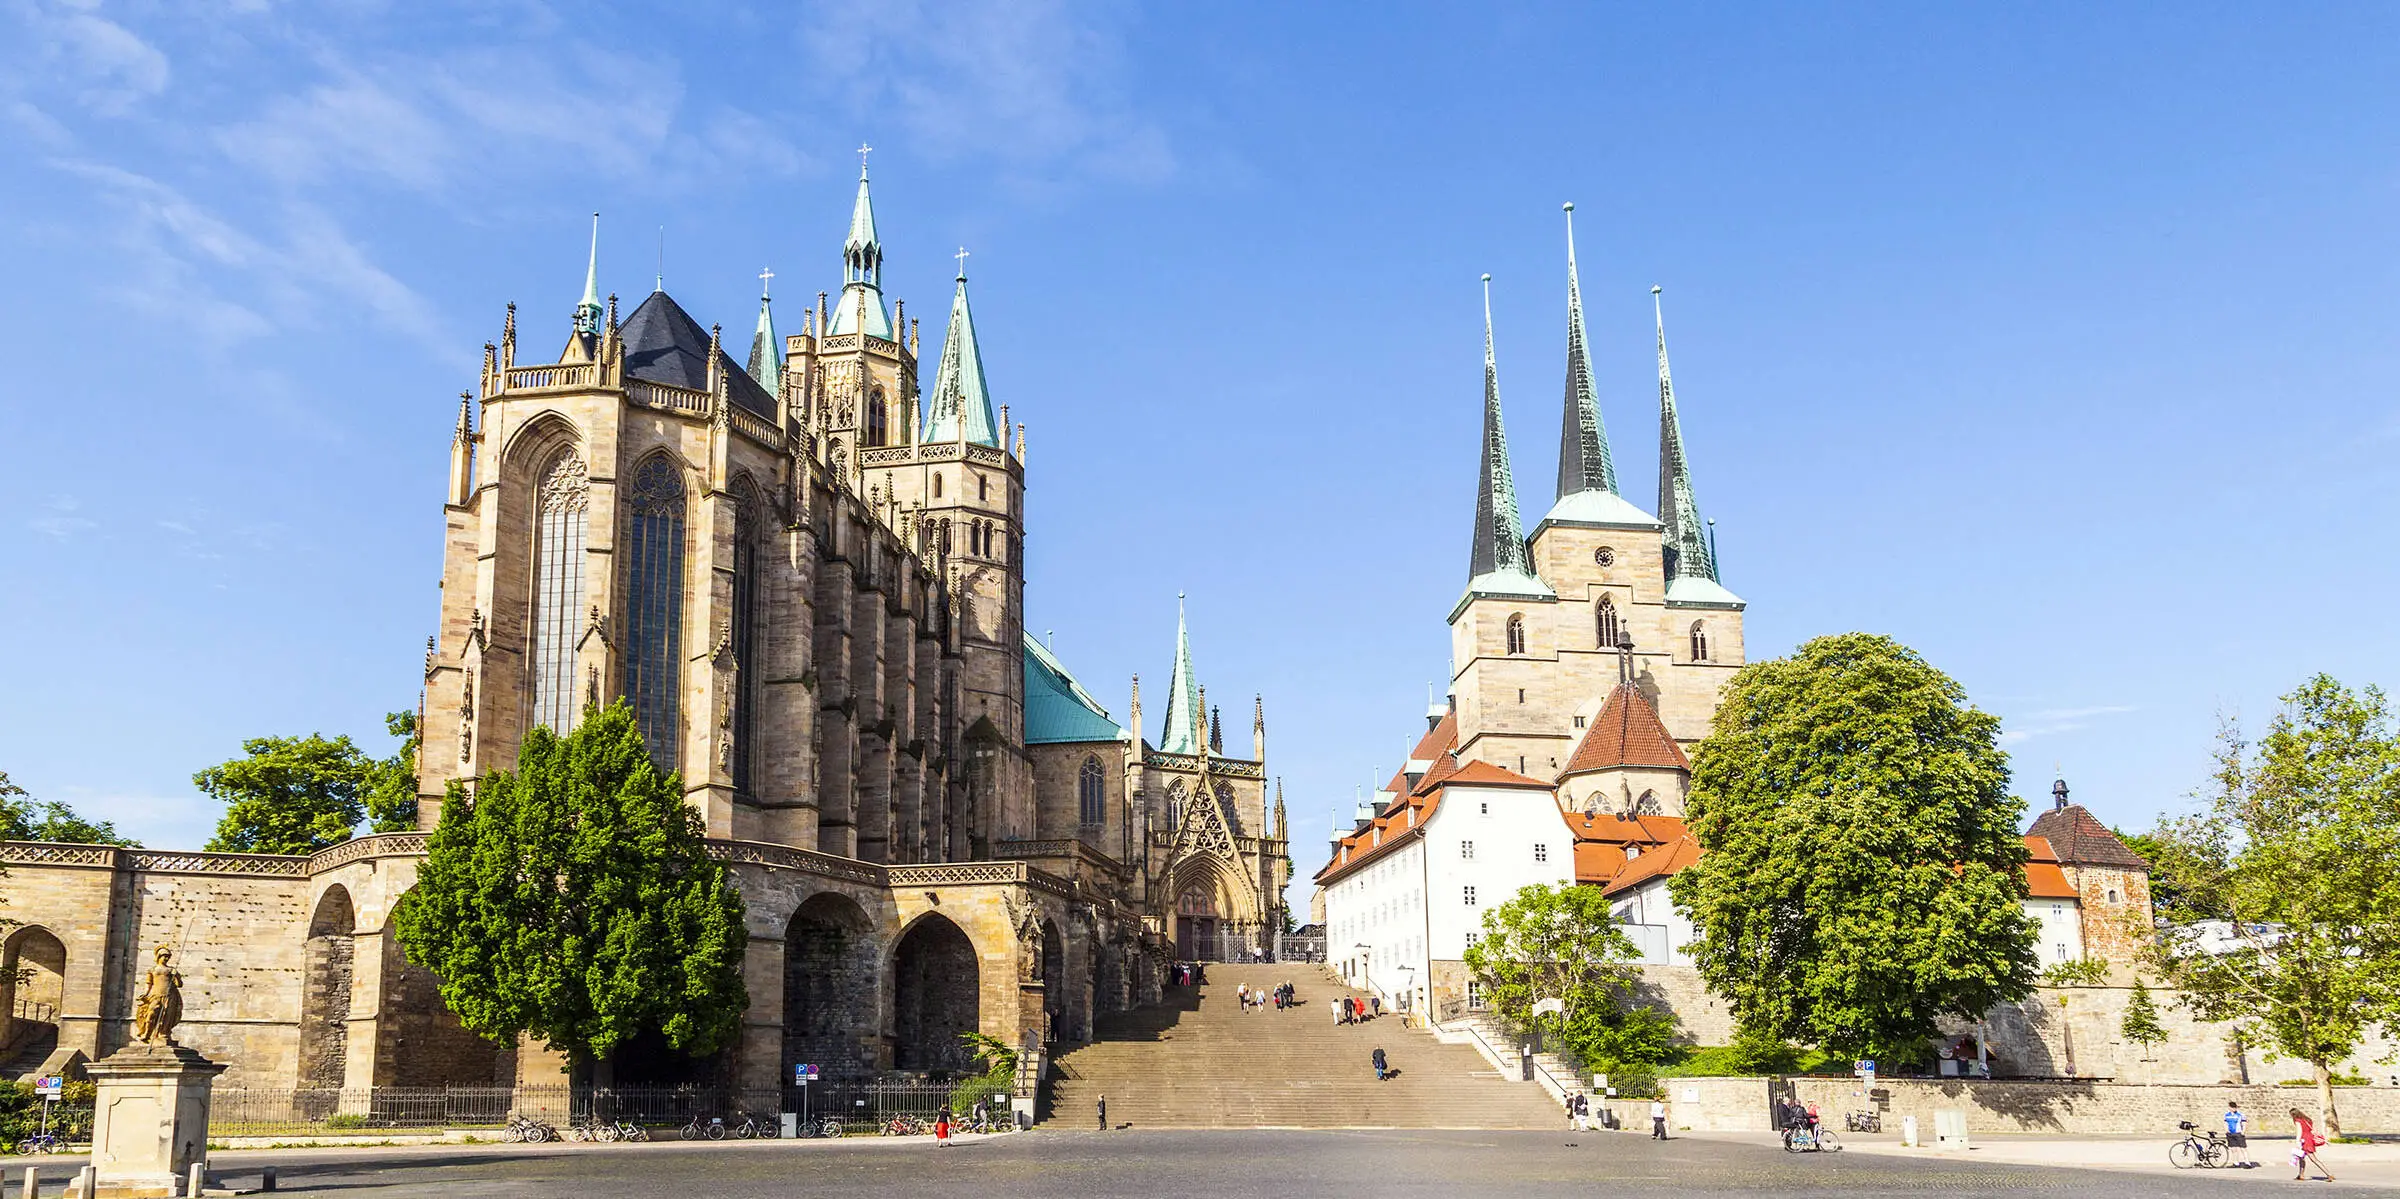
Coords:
745,626
1225,808
877,426
654,605
1699,641
1608,623
1516,634
560,508
1091,794
1174,804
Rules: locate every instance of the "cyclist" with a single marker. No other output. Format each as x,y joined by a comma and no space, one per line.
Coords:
2237,1136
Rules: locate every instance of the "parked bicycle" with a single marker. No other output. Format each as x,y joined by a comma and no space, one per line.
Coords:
753,1126
42,1142
704,1128
906,1126
627,1130
829,1127
1804,1139
2195,1149
593,1128
1867,1121
526,1129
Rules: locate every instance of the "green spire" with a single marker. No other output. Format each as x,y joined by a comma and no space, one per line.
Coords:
587,313
861,306
1499,535
958,389
1583,460
1181,734
766,353
1689,555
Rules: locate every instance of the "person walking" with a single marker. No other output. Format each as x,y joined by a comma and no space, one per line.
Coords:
1377,1003
941,1129
2237,1136
1658,1119
1382,1069
2305,1151
1103,1111
1577,1108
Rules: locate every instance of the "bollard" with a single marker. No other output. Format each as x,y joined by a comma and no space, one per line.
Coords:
33,1183
199,1183
266,1180
87,1180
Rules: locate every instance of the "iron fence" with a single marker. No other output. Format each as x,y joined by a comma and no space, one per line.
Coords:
255,1112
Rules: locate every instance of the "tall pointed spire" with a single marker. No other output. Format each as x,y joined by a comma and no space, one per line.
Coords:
1686,537
766,352
861,305
1583,459
1181,732
1499,563
960,407
587,312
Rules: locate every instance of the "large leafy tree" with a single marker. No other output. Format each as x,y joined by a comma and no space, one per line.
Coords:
24,818
1863,876
391,798
1563,944
2285,912
574,899
289,794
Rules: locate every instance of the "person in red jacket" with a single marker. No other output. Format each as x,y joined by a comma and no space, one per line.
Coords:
2306,1150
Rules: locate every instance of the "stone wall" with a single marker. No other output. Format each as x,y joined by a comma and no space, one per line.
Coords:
2089,1108
1700,1017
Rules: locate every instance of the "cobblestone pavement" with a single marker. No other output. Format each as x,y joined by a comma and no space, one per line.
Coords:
1264,1164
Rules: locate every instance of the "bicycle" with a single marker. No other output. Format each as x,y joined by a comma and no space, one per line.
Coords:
527,1130
2206,1152
42,1142
905,1126
751,1126
831,1129
1867,1121
627,1130
710,1129
1805,1139
593,1128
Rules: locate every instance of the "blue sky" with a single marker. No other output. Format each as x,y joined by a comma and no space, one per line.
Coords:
2054,340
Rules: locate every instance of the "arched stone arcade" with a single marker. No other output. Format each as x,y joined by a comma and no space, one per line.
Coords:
936,997
830,982
33,985
329,964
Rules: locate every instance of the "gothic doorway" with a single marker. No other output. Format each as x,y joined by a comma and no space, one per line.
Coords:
935,998
33,983
828,988
1196,923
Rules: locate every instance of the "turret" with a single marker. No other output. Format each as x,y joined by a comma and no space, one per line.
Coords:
766,350
961,406
860,308
1181,732
1498,563
1258,732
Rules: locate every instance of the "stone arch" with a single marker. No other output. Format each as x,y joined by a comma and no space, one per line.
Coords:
328,964
1208,910
33,986
937,987
419,1041
829,987
1058,990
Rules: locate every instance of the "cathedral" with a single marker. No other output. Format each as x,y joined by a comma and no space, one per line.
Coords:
805,572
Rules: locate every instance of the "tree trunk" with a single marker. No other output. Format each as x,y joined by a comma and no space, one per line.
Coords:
2325,1108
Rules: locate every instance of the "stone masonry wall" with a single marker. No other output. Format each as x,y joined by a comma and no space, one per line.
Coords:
2084,1108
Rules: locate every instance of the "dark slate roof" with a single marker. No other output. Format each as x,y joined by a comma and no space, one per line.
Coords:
663,344
2080,839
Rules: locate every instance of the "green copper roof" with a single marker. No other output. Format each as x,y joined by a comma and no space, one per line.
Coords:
1583,459
1499,554
587,312
1686,535
1057,708
766,353
1693,592
861,305
1599,508
958,389
1181,733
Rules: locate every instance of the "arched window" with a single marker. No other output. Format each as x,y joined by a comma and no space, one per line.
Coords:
1091,794
1174,811
983,487
654,605
876,422
1699,641
937,487
1516,634
745,625
1608,623
1647,805
560,518
1225,808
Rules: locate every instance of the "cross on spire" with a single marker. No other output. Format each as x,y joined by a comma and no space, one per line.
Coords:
863,150
962,261
765,276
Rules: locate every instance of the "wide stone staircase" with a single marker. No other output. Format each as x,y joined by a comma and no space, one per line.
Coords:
1199,1060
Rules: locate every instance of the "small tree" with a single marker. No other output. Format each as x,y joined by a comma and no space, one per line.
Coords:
391,798
2291,859
1863,875
2141,1024
574,899
24,818
1563,944
289,794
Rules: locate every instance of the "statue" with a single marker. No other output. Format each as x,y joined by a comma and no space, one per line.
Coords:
160,1008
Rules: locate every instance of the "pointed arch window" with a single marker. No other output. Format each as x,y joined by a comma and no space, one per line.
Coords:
561,507
937,487
654,605
746,520
1607,622
877,422
1699,641
1225,808
1516,634
1091,793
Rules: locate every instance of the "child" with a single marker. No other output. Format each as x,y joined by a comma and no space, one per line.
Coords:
2306,1150
941,1129
2237,1135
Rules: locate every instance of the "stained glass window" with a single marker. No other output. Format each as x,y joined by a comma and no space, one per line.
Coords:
1091,793
560,508
745,625
654,605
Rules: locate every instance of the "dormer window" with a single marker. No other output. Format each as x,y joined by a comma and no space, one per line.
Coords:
1632,852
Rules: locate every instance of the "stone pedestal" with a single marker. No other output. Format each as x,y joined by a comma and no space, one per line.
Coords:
150,1121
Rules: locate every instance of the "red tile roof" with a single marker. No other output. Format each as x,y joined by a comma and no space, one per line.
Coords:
1404,817
1626,733
1484,774
1654,863
1601,841
1438,740
2081,840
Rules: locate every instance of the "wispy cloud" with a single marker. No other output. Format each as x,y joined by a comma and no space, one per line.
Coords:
2047,722
69,49
1039,86
57,519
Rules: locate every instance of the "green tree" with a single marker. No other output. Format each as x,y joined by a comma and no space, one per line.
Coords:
2141,1024
289,794
1863,875
24,818
2291,857
574,899
391,797
1564,944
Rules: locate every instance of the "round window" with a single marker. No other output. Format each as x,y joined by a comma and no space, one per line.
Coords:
1605,556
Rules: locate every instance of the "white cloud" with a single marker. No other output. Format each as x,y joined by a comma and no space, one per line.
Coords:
2047,722
105,66
58,521
1037,85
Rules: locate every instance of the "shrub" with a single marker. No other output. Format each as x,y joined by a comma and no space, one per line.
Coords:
344,1120
983,1086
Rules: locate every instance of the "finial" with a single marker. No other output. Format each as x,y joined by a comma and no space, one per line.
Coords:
863,150
962,263
765,277
662,258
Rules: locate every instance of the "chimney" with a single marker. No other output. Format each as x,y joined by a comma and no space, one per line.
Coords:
2058,794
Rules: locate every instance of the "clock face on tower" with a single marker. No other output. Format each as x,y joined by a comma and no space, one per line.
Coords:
1605,556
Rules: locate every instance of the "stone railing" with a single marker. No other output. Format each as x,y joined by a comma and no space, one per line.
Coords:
661,395
529,378
373,845
1219,764
262,864
53,853
757,428
790,857
890,455
986,454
